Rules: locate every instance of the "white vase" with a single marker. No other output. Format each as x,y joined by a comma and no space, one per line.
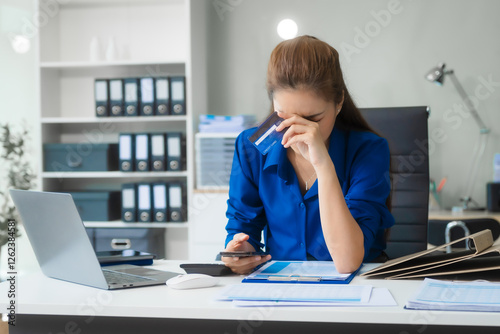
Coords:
95,49
111,53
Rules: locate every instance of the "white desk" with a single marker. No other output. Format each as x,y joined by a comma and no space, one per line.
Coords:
56,306
449,215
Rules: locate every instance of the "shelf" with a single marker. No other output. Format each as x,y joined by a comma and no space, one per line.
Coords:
217,134
93,3
115,63
211,189
97,120
150,38
120,224
112,175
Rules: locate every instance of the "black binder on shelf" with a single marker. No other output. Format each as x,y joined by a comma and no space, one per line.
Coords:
129,201
142,152
162,96
178,95
158,152
132,96
176,210
101,96
116,97
144,202
160,199
174,151
126,152
147,96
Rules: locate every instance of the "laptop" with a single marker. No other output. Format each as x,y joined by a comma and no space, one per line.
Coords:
63,249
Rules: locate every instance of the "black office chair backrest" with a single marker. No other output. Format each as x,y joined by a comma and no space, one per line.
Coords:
405,129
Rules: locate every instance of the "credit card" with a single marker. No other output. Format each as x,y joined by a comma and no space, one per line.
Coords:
266,136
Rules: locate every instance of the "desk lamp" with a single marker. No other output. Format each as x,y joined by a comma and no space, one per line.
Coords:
437,75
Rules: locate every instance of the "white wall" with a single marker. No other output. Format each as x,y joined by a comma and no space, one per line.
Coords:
17,71
386,69
18,103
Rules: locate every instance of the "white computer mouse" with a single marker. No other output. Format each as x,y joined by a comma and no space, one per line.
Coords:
192,281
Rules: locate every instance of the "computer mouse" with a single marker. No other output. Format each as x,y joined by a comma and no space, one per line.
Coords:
192,281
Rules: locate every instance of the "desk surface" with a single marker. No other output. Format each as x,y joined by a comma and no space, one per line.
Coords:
39,295
448,214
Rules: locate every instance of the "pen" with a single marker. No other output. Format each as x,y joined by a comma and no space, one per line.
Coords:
441,184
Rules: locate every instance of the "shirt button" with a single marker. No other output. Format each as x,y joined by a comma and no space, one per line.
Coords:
302,205
301,244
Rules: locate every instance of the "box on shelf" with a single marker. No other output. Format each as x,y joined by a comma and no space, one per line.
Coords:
80,157
214,159
98,205
139,239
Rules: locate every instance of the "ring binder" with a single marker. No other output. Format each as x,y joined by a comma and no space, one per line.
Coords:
116,97
101,87
147,96
132,95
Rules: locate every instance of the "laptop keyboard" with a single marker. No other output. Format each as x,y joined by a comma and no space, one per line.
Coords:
116,277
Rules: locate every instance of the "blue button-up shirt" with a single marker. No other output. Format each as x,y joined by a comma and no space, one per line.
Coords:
264,195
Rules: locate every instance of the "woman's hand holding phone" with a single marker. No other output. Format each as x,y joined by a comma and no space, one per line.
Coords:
242,264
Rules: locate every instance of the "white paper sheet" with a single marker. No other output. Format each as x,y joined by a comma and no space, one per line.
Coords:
379,297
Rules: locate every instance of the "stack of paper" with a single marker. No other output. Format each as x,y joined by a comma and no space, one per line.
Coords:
213,123
456,296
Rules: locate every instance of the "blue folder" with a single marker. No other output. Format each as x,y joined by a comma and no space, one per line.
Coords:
303,272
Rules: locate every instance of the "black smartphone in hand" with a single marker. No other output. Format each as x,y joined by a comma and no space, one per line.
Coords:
242,253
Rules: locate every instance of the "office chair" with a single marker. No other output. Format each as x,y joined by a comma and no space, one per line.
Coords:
444,231
405,129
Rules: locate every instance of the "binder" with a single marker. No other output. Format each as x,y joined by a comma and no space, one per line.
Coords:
178,95
129,200
126,152
116,97
132,95
175,202
101,87
142,150
144,202
158,152
162,96
160,197
481,257
147,96
174,151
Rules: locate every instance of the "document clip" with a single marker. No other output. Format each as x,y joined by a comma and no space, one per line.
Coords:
294,278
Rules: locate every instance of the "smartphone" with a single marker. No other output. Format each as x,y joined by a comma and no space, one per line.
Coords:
242,254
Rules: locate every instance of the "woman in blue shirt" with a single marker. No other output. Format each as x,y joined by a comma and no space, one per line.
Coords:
322,193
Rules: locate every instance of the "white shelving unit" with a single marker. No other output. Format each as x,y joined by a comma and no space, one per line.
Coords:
152,38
